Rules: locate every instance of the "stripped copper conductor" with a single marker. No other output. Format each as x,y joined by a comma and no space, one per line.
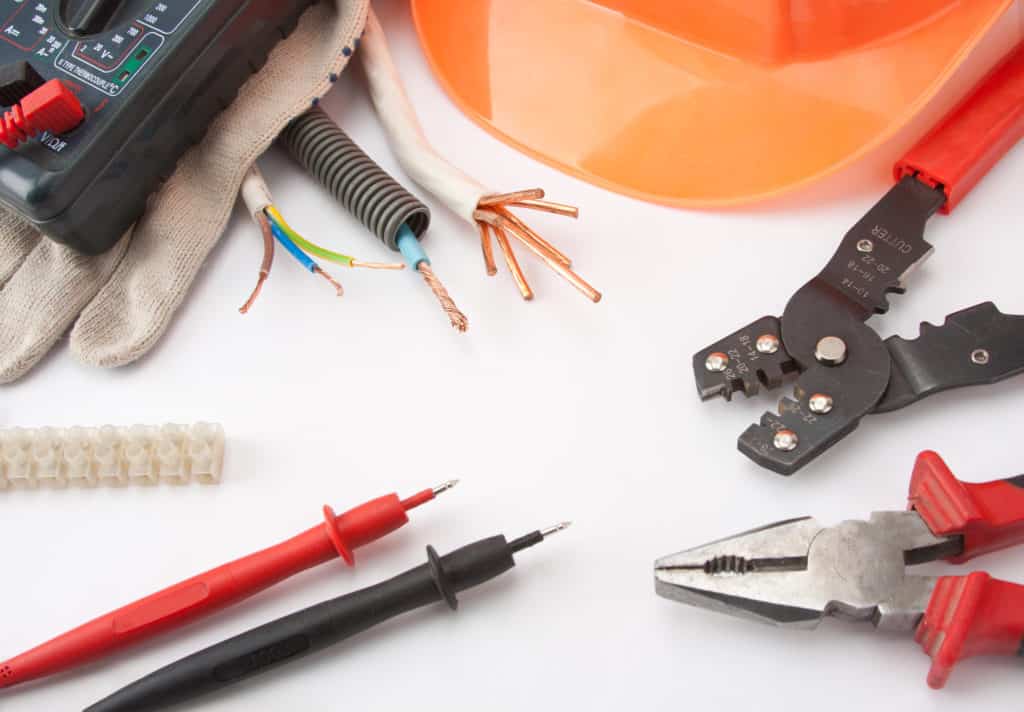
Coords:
487,248
513,264
455,316
568,211
268,260
334,283
494,215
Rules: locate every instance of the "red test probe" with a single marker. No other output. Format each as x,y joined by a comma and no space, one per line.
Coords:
216,589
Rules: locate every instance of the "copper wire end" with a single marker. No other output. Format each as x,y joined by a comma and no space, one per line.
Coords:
268,260
493,213
334,283
377,265
456,317
513,264
487,248
524,228
519,195
567,274
244,309
546,206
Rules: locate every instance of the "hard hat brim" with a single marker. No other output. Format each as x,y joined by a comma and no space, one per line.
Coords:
644,113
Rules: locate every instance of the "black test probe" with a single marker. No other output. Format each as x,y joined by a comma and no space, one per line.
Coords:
322,625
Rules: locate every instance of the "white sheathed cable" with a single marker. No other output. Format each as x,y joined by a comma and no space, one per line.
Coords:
255,193
418,158
88,457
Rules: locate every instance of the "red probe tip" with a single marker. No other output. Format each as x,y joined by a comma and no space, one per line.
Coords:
427,495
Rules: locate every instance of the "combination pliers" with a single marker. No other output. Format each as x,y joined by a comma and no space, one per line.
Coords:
796,572
843,368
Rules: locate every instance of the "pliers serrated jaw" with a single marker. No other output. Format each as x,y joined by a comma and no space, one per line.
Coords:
796,572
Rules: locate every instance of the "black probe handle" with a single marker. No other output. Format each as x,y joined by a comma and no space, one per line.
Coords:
313,628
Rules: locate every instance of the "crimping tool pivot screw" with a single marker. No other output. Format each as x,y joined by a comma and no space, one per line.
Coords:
830,351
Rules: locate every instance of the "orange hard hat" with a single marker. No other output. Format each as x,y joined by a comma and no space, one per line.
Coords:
698,104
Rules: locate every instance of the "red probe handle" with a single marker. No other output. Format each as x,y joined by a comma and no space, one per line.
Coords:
213,590
958,152
970,615
989,516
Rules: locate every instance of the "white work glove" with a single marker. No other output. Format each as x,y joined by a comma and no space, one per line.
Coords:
119,304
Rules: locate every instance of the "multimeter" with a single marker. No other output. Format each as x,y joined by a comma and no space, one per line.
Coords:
150,74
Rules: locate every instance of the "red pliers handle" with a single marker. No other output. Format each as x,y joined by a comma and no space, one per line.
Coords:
974,614
974,136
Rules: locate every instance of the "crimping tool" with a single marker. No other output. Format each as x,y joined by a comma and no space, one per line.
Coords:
844,369
796,572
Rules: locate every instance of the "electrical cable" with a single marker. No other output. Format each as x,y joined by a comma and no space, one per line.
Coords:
335,536
268,260
323,625
322,252
366,190
260,204
301,257
466,197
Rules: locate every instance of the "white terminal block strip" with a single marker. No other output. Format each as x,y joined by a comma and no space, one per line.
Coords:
89,457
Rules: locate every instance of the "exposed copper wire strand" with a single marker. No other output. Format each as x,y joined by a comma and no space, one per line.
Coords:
523,227
500,218
546,206
268,260
377,265
498,199
487,248
564,271
456,317
513,264
335,283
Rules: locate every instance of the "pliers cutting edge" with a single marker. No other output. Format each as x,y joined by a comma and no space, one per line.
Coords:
844,369
796,572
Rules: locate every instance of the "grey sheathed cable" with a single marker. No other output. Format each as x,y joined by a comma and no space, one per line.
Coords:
367,191
353,178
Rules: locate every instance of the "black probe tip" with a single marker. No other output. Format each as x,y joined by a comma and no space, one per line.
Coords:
534,538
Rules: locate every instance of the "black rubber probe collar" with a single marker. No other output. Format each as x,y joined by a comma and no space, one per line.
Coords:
322,625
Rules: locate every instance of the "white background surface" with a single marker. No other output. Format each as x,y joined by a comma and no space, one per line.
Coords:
558,409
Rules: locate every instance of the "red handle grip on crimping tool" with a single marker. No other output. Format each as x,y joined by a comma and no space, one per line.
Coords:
215,589
988,515
958,152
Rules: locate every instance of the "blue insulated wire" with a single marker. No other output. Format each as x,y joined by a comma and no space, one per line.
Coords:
410,247
286,242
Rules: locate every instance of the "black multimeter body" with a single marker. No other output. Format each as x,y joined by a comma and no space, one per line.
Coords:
151,75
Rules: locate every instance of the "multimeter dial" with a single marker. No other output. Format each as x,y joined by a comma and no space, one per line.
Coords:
91,17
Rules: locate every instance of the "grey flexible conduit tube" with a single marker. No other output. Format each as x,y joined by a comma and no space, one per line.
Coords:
353,178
